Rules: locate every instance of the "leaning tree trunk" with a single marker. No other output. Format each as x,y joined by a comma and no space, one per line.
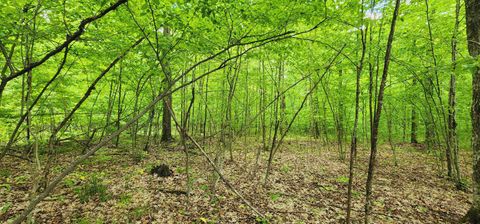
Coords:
473,38
378,111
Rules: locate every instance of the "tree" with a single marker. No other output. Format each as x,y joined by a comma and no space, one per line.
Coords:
376,118
473,37
251,66
167,102
353,144
70,38
452,101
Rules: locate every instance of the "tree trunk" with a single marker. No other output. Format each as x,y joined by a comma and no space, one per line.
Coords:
353,145
340,112
167,102
111,101
378,111
151,118
473,38
263,130
440,112
278,114
119,105
452,101
167,120
28,119
205,109
413,129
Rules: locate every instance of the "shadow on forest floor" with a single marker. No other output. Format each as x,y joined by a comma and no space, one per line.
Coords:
307,185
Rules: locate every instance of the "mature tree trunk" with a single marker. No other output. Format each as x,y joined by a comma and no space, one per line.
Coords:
378,111
167,102
167,120
473,38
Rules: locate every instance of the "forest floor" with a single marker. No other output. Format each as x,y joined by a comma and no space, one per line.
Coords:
308,184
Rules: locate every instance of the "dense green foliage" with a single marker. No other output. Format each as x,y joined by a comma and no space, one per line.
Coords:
201,28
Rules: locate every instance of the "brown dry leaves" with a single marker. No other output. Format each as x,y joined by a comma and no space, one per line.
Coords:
307,185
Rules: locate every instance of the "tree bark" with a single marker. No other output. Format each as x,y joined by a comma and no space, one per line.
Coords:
167,102
473,38
353,145
378,111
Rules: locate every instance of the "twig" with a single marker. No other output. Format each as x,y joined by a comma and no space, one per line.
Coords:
222,177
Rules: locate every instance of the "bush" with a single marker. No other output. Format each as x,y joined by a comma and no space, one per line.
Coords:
138,155
91,189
